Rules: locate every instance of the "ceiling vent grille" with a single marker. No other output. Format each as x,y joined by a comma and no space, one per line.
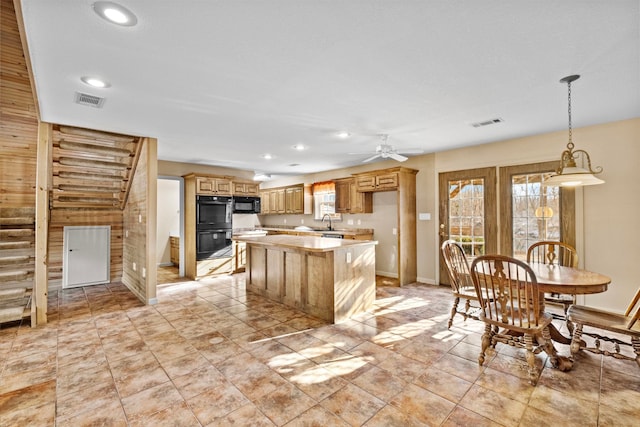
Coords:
90,100
486,123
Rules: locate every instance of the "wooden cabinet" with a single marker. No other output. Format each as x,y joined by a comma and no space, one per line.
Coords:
350,200
213,186
265,202
278,201
245,188
380,181
174,243
294,199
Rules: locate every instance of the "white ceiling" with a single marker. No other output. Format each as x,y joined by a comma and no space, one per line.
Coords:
222,82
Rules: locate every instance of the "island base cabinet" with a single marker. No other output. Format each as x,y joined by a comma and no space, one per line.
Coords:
332,285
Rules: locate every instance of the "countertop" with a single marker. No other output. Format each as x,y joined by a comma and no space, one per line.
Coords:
307,243
343,231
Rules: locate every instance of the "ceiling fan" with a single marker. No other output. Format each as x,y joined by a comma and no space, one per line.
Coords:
386,151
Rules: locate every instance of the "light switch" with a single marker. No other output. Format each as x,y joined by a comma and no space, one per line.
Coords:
144,272
135,267
348,257
425,216
394,231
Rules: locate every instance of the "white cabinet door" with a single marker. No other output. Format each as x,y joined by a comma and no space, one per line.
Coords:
86,255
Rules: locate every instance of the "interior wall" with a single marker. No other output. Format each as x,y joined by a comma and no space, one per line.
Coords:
168,219
139,219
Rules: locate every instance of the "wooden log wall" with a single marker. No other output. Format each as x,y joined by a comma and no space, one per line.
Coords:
18,117
139,219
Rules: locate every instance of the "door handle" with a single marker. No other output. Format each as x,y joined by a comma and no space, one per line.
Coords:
442,232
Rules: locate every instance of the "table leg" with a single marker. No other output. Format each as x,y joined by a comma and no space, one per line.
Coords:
562,363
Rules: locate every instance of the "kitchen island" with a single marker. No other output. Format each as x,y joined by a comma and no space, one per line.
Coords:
332,279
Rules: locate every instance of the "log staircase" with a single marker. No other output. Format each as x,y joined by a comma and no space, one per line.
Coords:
91,169
17,262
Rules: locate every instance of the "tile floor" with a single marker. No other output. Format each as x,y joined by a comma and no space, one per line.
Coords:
211,354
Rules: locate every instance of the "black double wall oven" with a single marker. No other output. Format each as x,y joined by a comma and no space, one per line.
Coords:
213,227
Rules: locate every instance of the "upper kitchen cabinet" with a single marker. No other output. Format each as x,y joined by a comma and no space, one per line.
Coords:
293,199
350,200
382,180
213,186
245,188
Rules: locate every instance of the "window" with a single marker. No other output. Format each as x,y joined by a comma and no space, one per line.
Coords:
466,214
536,212
530,212
324,200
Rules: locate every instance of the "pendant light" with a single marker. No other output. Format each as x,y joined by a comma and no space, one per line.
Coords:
569,174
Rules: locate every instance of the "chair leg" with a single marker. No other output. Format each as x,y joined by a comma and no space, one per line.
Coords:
454,310
576,338
568,322
635,343
467,307
487,337
531,359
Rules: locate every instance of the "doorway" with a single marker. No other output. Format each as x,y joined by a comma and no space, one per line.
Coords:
468,212
170,229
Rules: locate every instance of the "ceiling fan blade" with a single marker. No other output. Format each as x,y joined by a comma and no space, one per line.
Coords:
397,157
371,158
411,151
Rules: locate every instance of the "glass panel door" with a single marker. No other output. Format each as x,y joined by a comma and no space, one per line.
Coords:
532,212
468,212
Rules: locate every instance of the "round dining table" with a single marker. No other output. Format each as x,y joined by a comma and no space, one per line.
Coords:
567,280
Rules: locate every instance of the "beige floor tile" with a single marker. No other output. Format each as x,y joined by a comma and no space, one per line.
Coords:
353,404
492,404
216,403
151,400
423,405
284,404
247,415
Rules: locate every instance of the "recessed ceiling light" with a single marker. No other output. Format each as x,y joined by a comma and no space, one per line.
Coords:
95,82
267,156
299,147
343,134
115,13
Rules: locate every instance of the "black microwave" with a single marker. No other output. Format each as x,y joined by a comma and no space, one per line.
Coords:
246,205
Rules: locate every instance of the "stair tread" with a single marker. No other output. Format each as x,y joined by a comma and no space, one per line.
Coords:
13,273
13,259
15,245
12,293
10,314
17,221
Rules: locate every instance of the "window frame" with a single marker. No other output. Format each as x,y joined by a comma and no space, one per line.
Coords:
567,204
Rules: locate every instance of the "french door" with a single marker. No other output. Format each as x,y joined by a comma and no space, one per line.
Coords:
468,212
528,211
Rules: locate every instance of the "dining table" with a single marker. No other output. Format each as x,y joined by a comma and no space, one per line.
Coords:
566,280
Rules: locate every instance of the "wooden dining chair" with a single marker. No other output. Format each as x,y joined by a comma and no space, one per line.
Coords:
558,253
461,284
623,324
510,299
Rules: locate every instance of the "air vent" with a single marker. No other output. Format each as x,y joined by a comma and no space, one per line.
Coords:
486,123
90,100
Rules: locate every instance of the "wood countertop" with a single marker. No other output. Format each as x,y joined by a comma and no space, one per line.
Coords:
307,243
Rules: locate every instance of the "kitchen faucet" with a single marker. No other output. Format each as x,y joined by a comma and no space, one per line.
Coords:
328,216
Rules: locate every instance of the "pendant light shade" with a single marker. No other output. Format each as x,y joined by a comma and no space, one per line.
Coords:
569,174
